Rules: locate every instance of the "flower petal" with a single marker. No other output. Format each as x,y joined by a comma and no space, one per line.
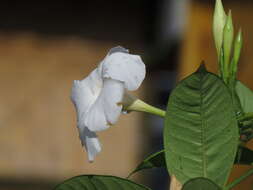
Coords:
106,110
124,67
118,49
85,93
90,141
111,51
113,95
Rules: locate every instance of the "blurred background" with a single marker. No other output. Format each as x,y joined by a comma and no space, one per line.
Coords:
45,46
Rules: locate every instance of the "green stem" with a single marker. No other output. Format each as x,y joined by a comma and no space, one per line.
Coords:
238,180
246,117
140,106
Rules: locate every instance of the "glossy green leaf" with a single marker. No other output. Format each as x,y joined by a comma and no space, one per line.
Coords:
201,132
99,182
245,95
155,160
200,184
244,156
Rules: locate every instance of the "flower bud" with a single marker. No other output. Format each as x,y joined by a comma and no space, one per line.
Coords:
228,35
219,20
237,51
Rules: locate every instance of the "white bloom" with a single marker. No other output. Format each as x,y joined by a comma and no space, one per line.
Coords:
97,97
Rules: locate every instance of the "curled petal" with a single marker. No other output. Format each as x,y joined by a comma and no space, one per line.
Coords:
91,143
85,93
106,110
111,51
124,67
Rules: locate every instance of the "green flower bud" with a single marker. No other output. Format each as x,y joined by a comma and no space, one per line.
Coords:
219,20
237,48
228,35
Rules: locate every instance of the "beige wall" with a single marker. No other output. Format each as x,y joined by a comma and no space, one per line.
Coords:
38,136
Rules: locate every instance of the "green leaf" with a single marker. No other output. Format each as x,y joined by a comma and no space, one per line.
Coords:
99,182
244,156
201,131
200,184
155,160
245,96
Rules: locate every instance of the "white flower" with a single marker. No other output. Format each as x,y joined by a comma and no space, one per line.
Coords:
98,97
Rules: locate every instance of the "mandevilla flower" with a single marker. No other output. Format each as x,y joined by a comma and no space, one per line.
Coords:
99,97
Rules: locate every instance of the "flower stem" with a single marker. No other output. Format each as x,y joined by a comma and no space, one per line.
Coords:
140,106
131,103
238,180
